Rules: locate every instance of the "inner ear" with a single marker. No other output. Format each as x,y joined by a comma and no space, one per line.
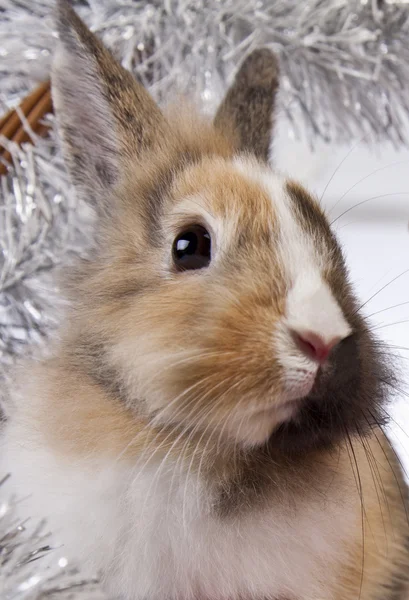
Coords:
247,112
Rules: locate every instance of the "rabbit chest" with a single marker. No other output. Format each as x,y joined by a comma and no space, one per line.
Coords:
157,535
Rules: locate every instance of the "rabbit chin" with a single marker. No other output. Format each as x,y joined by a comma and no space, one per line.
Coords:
256,426
255,429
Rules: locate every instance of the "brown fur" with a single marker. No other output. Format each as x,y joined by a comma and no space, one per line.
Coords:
311,217
246,114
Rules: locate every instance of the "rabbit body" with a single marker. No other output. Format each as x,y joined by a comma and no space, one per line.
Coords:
209,424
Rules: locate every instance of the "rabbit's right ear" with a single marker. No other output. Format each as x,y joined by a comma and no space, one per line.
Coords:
106,118
247,111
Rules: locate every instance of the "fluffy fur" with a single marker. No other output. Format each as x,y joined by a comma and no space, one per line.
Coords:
180,437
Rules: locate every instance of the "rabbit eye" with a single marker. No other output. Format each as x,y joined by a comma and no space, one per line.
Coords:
191,249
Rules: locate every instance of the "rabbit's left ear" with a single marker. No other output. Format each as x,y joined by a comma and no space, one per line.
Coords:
247,112
106,118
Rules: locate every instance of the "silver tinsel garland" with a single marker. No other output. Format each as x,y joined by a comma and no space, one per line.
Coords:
345,71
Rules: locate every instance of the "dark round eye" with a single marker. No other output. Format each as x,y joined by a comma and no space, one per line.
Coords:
191,249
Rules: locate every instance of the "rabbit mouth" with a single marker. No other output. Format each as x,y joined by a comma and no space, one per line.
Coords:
300,385
347,399
324,421
289,407
259,424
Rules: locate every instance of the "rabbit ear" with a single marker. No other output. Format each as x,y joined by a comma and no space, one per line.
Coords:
247,111
106,117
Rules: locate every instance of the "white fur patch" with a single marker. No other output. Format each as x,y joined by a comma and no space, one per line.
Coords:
310,304
152,531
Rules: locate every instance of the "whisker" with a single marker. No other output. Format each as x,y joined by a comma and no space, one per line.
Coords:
150,424
236,441
159,470
234,386
187,476
394,387
394,355
377,480
161,465
381,289
348,224
162,413
341,163
189,402
363,513
401,162
204,450
196,358
378,312
226,422
200,205
404,502
368,200
395,347
200,399
389,324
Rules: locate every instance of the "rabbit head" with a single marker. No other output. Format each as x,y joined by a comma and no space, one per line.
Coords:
216,298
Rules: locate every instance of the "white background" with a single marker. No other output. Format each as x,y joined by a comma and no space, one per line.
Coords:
375,236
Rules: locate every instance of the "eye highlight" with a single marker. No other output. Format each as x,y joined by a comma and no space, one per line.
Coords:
192,249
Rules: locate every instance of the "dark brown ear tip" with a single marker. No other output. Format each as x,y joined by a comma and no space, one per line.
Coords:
67,20
260,68
72,31
63,11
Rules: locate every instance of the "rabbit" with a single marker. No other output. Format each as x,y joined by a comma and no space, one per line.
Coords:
209,423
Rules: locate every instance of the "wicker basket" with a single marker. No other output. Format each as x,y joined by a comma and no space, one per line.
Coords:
34,107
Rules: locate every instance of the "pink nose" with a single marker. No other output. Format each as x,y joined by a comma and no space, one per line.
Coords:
314,346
